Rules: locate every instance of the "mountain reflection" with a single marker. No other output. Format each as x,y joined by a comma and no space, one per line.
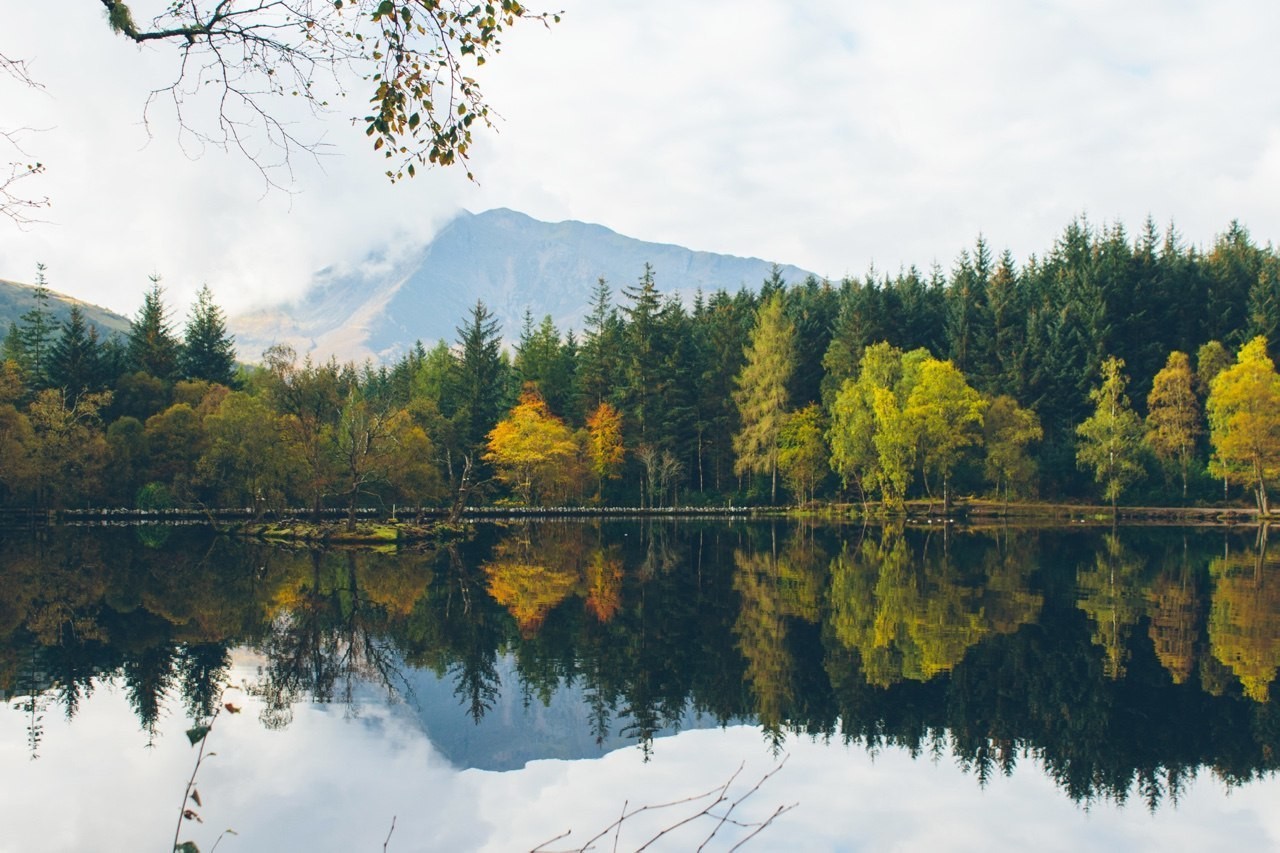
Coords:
1121,661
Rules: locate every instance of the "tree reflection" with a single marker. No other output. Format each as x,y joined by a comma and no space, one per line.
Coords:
1084,651
1244,621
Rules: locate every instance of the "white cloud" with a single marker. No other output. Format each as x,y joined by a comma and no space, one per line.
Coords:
829,135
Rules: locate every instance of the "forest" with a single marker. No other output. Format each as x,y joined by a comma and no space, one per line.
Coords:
1112,369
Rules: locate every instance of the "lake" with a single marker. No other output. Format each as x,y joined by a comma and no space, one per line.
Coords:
849,688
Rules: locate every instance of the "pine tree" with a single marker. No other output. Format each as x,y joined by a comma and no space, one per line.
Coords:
968,321
761,393
208,352
599,357
640,363
153,349
75,364
31,338
480,376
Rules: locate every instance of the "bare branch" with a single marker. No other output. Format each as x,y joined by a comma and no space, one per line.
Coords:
717,796
19,208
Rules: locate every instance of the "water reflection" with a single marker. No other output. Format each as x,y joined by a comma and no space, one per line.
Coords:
1122,662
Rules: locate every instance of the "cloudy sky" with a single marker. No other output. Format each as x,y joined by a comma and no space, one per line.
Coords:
830,135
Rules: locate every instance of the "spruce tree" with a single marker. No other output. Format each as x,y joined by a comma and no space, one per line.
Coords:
153,349
75,365
208,352
31,338
480,376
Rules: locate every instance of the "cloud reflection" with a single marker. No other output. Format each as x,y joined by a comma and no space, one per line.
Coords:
334,780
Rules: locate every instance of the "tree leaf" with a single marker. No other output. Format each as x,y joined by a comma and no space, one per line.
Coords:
197,734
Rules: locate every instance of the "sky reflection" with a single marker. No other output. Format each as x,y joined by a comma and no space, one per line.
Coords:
335,779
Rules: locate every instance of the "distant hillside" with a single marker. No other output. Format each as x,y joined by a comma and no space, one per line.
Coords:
17,299
511,261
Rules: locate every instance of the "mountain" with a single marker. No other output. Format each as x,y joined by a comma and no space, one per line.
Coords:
509,260
17,299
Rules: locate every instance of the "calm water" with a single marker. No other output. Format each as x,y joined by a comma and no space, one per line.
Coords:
1061,689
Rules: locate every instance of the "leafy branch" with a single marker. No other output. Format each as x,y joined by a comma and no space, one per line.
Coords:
417,55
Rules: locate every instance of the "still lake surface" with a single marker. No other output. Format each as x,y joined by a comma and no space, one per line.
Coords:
931,689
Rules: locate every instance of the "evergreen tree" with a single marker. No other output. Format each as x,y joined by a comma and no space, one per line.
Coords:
599,369
543,360
208,352
480,375
153,349
75,365
642,356
968,321
31,338
761,395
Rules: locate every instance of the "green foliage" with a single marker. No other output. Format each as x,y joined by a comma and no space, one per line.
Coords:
480,375
1111,438
1008,432
75,363
31,339
803,456
154,496
947,416
152,347
208,351
874,437
703,396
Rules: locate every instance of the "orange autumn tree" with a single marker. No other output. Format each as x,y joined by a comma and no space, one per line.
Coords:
530,447
604,441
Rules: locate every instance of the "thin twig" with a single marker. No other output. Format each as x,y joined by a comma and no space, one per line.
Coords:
191,783
389,831
741,799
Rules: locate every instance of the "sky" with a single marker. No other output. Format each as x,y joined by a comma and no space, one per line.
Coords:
830,135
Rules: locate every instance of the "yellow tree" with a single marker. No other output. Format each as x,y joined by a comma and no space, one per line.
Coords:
1008,429
948,418
873,439
530,446
68,448
802,451
1244,421
1244,618
604,440
1173,414
761,392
